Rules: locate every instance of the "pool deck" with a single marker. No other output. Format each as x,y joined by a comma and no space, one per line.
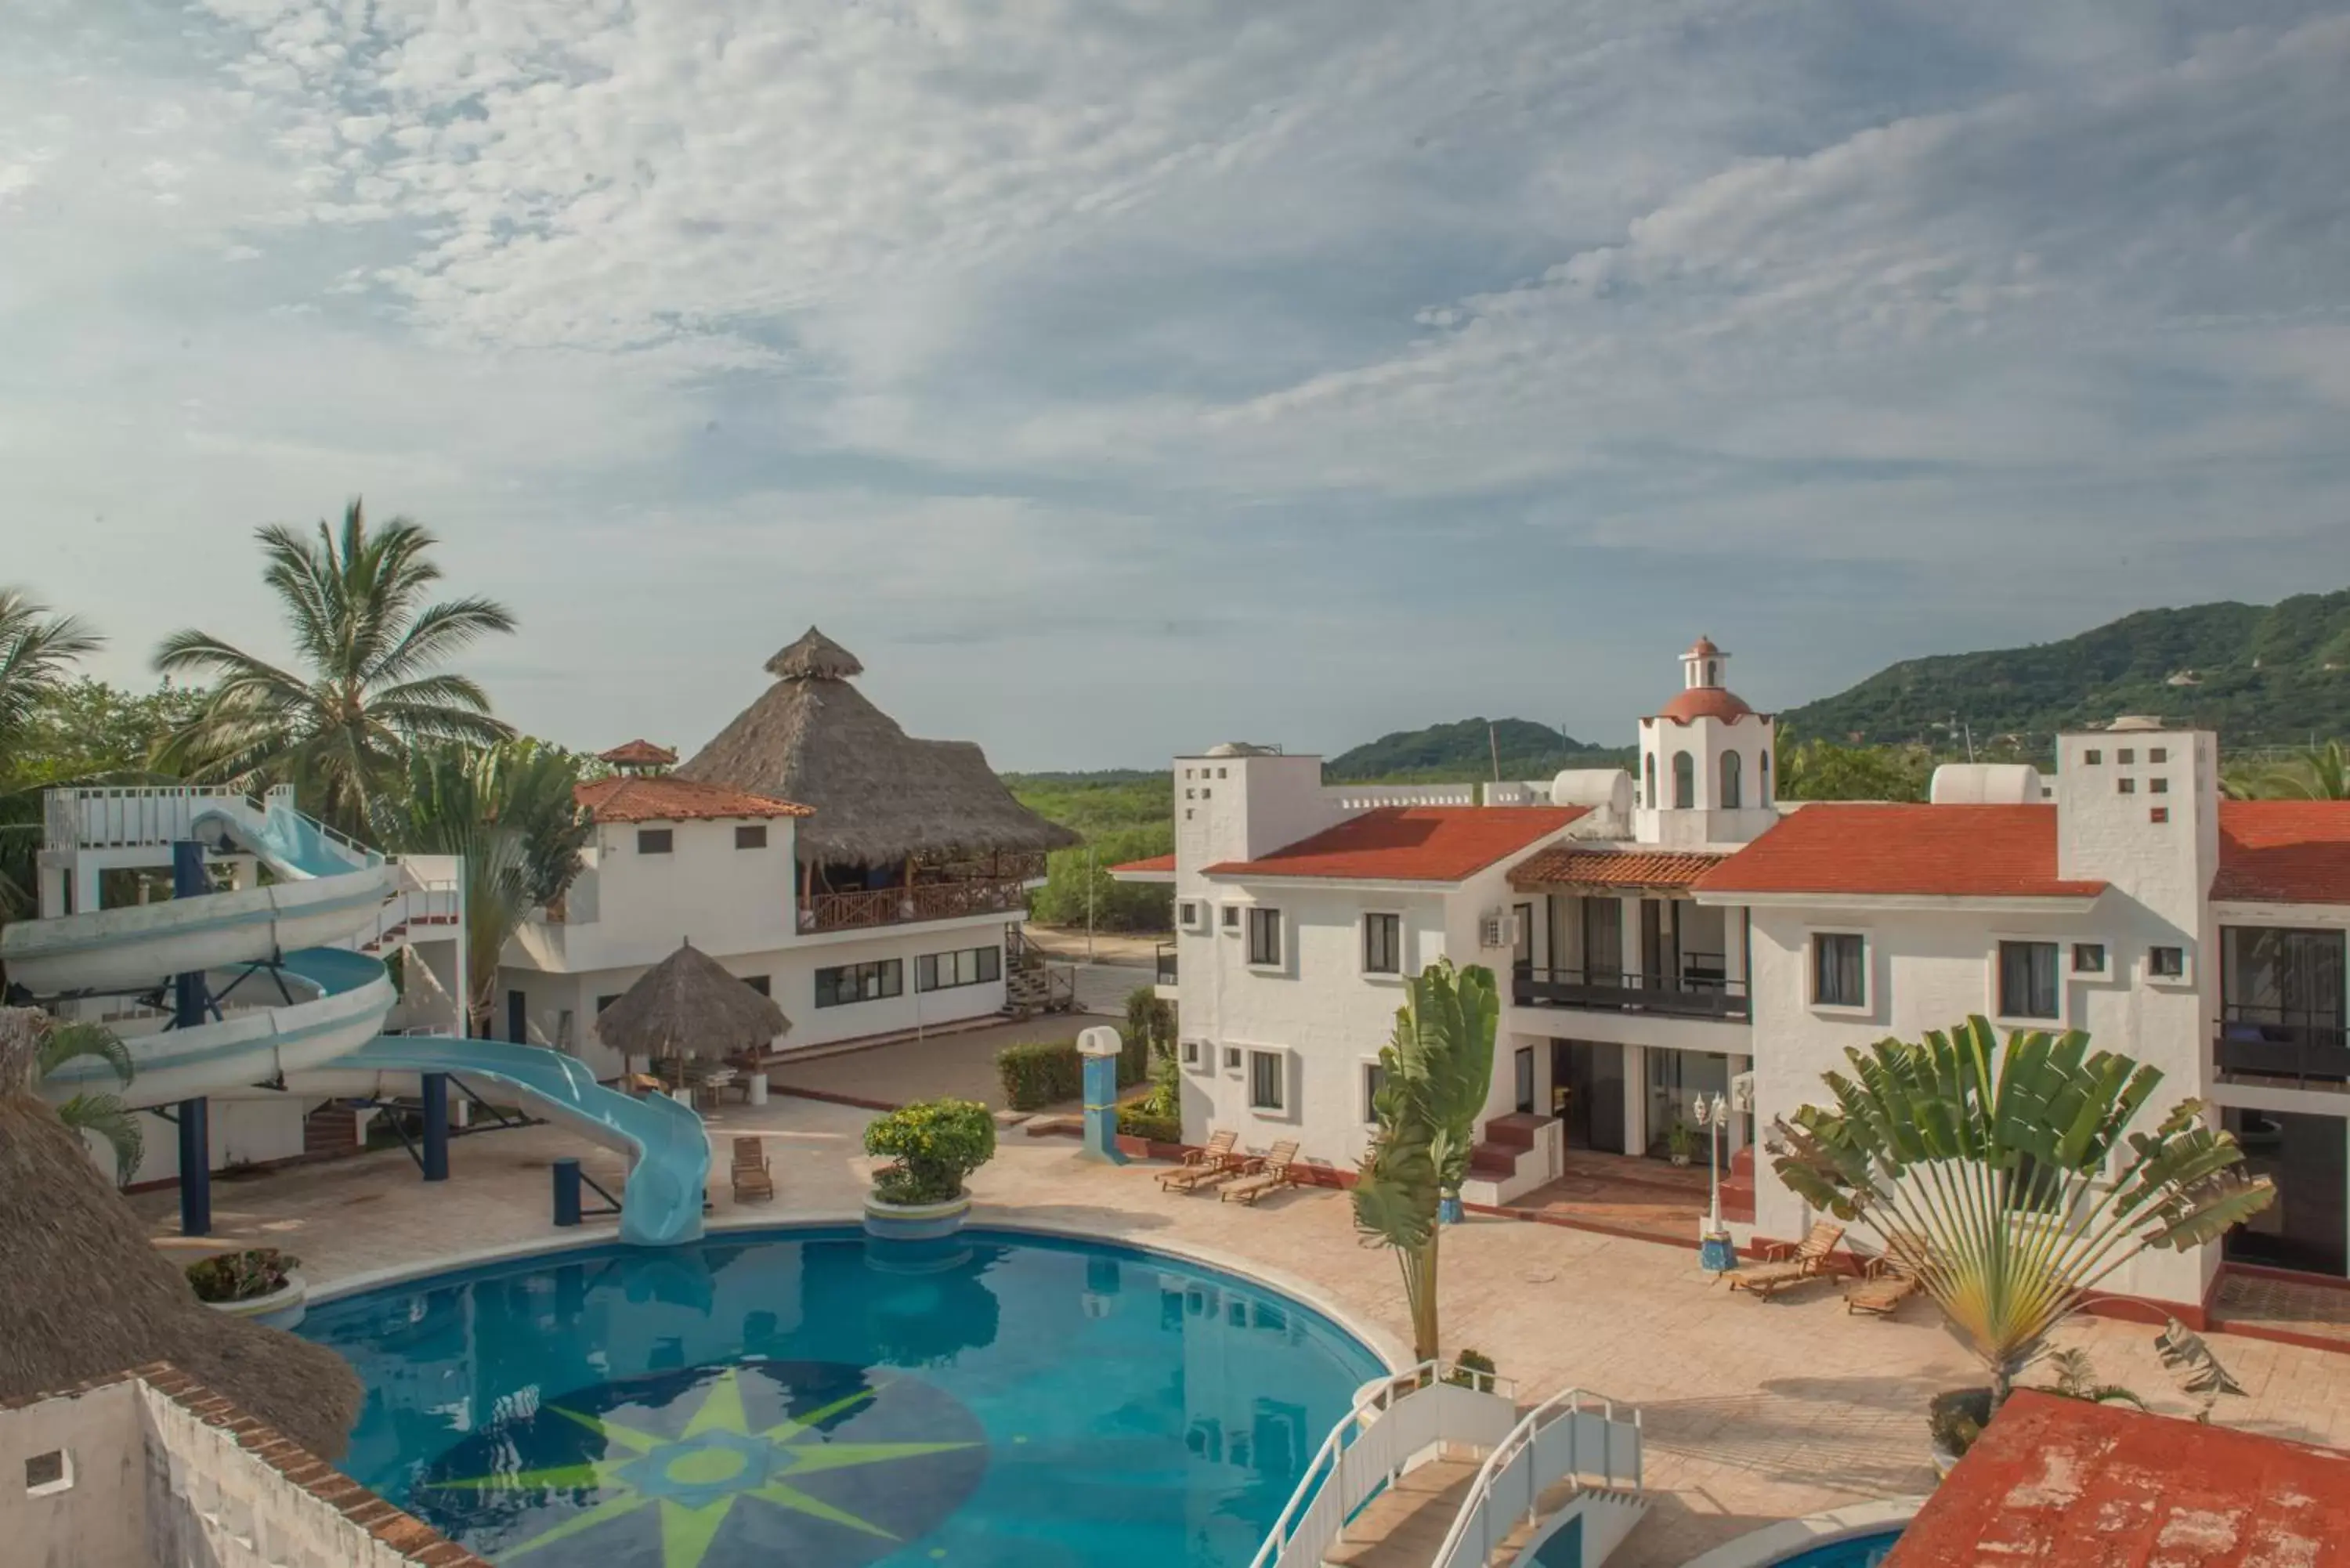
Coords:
1754,1411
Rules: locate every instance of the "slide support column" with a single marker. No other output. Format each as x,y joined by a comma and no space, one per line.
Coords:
189,880
436,1127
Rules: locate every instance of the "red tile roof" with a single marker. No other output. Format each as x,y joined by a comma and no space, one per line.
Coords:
1157,865
1608,869
2064,1484
663,799
1411,844
1705,703
1946,851
2283,852
638,751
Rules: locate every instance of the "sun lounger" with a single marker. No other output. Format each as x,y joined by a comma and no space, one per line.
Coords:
1270,1174
1889,1278
1811,1262
1204,1167
753,1176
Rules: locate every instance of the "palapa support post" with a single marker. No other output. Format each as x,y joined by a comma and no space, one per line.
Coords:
1099,1045
190,880
436,1127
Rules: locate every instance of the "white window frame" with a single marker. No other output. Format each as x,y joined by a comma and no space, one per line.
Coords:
1196,1054
1866,1006
1191,914
2063,980
1256,912
1363,1065
1363,943
1235,1059
2103,971
1286,1061
1232,923
2184,980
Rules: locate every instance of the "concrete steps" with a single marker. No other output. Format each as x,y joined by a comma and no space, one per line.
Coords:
1403,1526
1738,1187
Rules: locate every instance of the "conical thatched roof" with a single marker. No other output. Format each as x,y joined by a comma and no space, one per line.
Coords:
880,795
87,1296
688,1005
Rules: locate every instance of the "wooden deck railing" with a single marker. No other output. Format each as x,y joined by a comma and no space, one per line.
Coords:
910,905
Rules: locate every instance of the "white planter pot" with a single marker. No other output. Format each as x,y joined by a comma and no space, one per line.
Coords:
282,1308
915,1222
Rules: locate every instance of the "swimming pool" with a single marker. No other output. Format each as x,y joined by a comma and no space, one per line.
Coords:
815,1398
1852,1552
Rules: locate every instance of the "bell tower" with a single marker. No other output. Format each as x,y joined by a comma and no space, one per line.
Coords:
1706,761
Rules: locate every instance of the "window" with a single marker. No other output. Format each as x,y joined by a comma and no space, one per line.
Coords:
2088,958
2167,964
2125,756
1732,786
1649,773
1374,1078
2157,753
1264,937
2159,815
47,1474
1684,781
2027,980
1268,1074
654,840
1231,1058
1712,673
1187,914
754,836
966,966
1840,970
1763,776
604,1002
2158,786
853,982
2093,756
1194,1052
759,984
1231,917
1382,944
2127,787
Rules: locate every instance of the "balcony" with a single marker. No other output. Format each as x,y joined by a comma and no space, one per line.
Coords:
1005,894
1613,991
2267,1044
1165,954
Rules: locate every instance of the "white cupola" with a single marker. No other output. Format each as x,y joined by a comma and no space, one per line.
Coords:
1706,761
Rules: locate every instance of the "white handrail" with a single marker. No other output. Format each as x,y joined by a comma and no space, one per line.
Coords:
1520,1440
1327,1467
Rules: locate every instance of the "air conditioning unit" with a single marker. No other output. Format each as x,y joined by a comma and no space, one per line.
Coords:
1498,930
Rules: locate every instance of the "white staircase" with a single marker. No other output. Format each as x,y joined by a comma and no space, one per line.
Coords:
1437,1447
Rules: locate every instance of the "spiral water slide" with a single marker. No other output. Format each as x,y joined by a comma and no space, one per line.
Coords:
293,1016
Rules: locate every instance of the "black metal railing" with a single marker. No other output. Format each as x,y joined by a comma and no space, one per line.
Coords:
1166,963
1689,995
2278,1043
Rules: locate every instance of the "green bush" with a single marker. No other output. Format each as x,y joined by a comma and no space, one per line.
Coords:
242,1276
1036,1075
1472,1369
936,1144
1143,1119
1116,906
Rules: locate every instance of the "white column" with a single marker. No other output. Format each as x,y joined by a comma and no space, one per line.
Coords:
1736,1141
53,891
85,870
1636,1099
1636,950
1733,945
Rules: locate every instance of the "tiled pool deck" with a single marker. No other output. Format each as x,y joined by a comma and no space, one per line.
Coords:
1754,1411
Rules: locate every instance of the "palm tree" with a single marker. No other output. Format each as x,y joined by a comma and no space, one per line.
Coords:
508,810
102,1114
1983,1168
1435,1076
355,601
36,646
2319,773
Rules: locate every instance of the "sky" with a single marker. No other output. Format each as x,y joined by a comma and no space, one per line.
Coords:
1115,377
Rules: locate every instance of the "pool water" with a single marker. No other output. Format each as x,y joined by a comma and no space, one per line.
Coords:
816,1399
1852,1552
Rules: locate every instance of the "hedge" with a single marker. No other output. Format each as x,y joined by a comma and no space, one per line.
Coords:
1036,1075
1141,1119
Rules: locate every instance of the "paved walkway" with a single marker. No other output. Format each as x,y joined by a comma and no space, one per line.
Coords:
2322,1312
1623,1193
961,1064
1754,1411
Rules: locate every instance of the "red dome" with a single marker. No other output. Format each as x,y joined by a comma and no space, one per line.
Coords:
1705,703
1702,649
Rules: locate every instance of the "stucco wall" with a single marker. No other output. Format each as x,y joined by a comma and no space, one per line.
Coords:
100,1521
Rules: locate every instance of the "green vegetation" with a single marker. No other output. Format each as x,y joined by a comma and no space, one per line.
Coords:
1960,1153
242,1276
1124,815
1466,749
935,1143
2260,675
1036,1074
2317,773
1824,770
101,1114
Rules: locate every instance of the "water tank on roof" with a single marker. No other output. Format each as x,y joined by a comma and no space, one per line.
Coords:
1986,784
1242,749
1601,789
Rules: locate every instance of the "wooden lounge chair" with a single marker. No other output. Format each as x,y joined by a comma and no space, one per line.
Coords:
1812,1260
1889,1278
1203,1168
753,1176
1270,1174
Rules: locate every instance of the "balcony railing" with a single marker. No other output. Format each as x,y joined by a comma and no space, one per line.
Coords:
1612,990
1166,961
2270,1043
910,905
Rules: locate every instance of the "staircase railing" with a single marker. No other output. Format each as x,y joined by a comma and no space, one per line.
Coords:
1563,1436
1391,1421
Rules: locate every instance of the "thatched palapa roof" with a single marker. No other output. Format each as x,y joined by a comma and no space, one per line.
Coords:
880,796
88,1296
688,1004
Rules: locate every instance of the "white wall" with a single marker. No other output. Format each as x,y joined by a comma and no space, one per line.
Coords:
1710,822
634,908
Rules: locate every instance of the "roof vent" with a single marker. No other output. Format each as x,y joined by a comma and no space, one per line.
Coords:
1242,749
2135,721
1985,783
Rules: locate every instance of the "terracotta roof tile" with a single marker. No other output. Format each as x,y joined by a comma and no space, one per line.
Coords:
2283,852
1411,844
1879,850
1157,865
640,753
666,799
1705,703
1612,868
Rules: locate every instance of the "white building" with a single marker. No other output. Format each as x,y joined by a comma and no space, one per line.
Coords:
1673,932
870,883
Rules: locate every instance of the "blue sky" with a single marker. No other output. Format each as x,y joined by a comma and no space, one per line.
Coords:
1118,376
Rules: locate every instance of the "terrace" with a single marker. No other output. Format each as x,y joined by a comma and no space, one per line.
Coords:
998,884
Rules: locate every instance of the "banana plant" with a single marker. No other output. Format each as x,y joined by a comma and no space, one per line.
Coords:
102,1114
1436,1073
2005,1178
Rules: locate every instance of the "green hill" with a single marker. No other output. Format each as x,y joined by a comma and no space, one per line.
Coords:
1464,751
2260,675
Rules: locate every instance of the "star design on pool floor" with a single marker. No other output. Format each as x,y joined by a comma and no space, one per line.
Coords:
697,1478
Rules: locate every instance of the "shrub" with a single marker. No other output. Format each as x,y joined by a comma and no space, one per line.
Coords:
1116,906
1143,1119
242,1276
1149,1026
936,1144
1958,1418
1472,1369
1036,1075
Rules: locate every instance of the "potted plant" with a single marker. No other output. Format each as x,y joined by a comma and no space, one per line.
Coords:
1681,1143
258,1283
933,1145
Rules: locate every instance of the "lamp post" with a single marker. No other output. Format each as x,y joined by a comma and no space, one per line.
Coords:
1715,1254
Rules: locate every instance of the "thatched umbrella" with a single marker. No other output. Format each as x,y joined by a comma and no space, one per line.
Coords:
688,1004
881,796
88,1296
